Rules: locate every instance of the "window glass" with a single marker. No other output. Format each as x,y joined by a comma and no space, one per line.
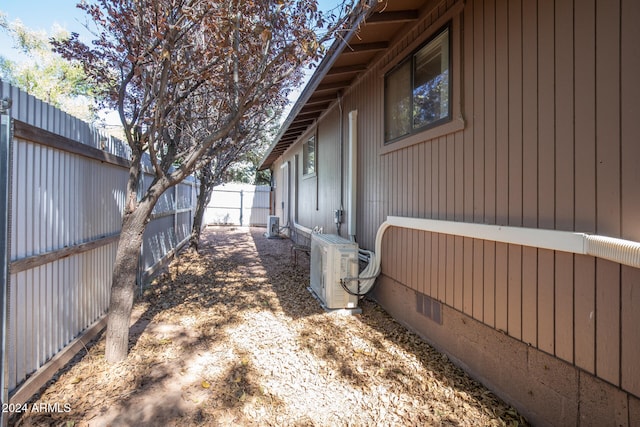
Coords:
309,156
398,102
417,91
431,82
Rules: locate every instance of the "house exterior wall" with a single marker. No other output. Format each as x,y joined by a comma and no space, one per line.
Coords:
313,198
544,135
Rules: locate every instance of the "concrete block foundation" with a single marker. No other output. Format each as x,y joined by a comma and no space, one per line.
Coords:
545,389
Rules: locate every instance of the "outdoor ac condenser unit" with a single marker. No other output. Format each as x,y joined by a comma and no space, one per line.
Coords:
333,258
273,228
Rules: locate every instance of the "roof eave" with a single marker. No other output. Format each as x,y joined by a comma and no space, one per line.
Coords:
323,68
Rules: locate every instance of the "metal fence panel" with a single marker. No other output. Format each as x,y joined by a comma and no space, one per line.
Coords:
67,214
184,222
60,200
51,304
238,204
40,114
260,207
170,225
159,239
5,218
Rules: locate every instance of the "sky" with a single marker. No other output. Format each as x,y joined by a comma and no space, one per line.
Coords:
40,15
43,15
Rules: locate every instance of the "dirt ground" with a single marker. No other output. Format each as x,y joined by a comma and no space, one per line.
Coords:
231,336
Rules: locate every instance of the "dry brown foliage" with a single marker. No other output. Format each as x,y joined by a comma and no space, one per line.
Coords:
231,336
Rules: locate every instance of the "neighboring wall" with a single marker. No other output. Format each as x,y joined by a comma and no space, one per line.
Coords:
170,225
68,194
238,204
547,120
313,198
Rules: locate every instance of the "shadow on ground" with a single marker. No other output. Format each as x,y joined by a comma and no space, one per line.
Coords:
357,361
171,377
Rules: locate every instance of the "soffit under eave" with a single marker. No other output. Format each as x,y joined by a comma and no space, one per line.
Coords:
354,58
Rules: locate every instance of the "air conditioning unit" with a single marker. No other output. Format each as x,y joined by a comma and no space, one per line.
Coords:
273,227
333,258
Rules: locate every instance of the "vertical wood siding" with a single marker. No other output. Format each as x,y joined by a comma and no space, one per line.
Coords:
630,190
548,91
549,95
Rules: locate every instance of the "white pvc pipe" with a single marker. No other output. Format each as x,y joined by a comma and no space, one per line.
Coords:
302,228
352,178
565,241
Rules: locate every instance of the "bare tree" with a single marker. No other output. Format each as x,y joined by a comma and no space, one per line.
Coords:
248,137
184,74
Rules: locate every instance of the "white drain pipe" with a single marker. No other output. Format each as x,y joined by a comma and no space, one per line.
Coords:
352,178
621,251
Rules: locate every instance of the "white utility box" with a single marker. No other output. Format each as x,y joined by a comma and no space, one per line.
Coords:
333,258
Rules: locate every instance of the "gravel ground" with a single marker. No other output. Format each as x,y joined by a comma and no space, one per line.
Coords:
230,336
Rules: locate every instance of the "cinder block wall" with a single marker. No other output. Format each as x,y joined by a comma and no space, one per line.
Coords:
546,390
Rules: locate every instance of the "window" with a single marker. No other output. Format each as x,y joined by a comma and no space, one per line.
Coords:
309,156
417,90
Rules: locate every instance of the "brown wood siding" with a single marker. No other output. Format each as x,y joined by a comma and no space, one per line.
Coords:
608,321
548,142
529,168
549,95
546,171
515,168
584,81
564,173
502,161
630,192
608,118
630,332
629,123
501,288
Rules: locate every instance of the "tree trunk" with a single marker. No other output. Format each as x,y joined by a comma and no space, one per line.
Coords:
204,197
197,224
124,281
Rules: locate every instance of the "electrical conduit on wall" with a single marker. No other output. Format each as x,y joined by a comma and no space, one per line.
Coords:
622,251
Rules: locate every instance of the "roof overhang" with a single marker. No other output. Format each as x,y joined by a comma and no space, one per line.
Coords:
346,59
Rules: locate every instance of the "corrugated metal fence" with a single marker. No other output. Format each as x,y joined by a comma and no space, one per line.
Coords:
238,204
170,225
67,197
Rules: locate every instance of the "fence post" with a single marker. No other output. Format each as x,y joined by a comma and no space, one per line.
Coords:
5,243
241,207
175,218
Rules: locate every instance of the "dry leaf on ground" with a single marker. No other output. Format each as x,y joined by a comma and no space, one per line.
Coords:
231,336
